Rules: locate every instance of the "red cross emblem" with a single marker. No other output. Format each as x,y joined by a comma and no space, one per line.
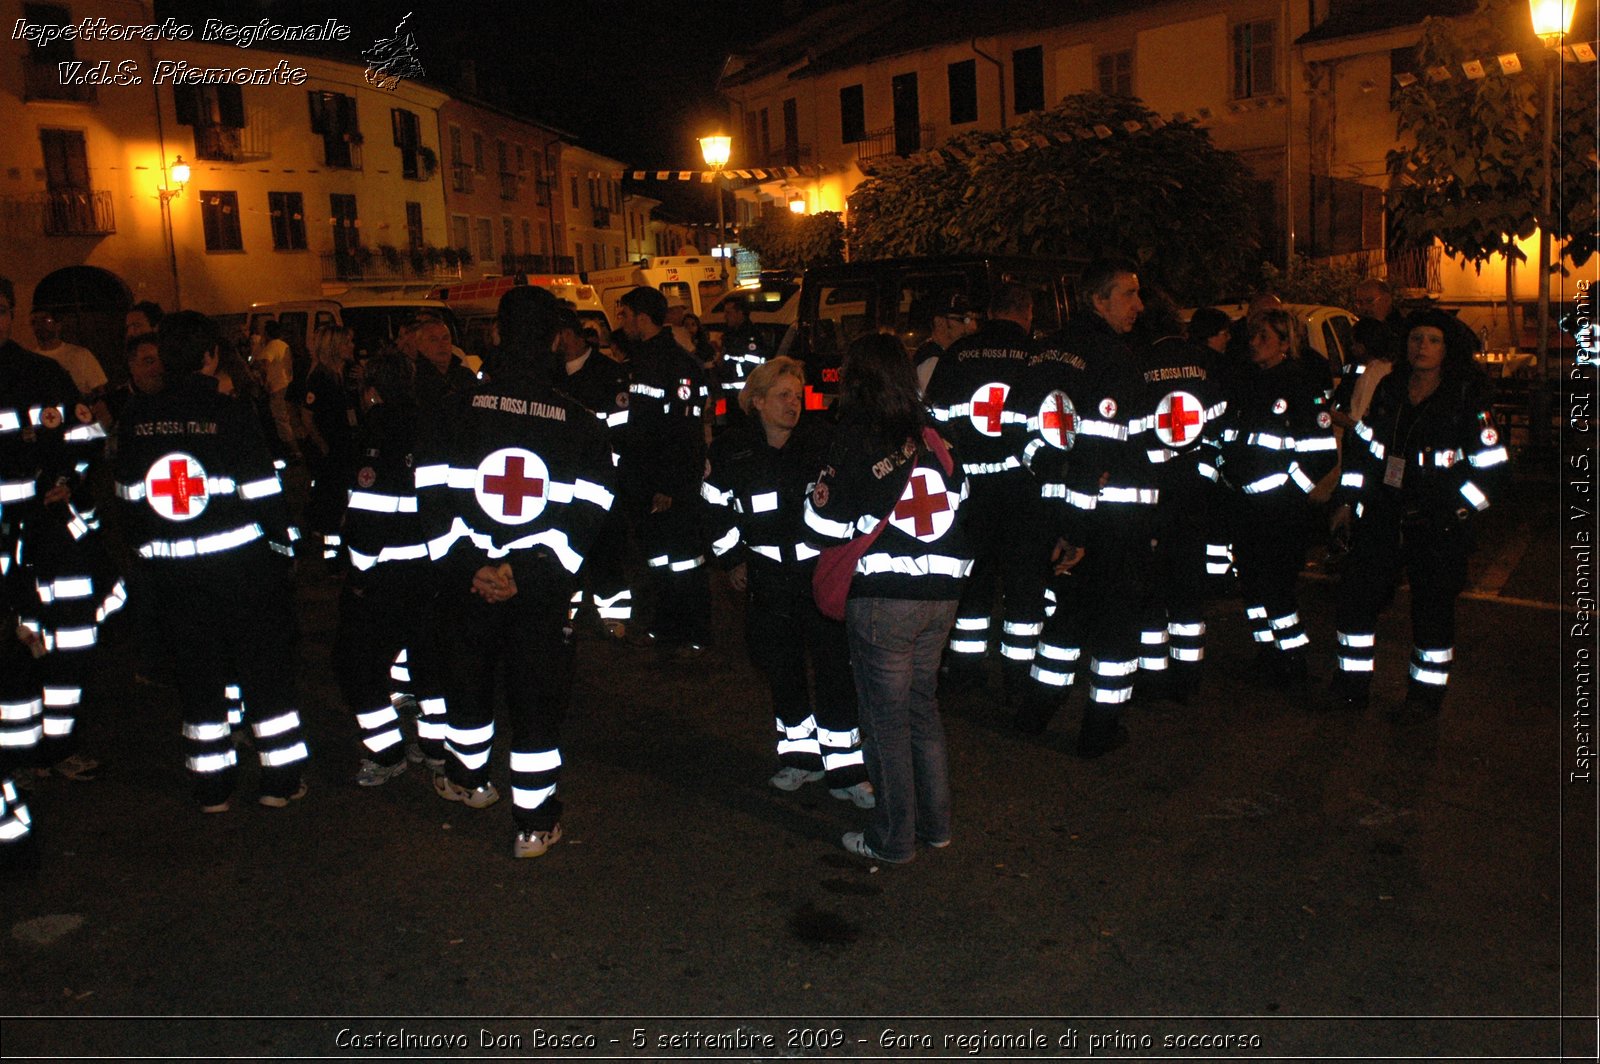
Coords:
1179,417
1489,437
988,407
1058,420
176,487
511,485
924,507
1280,406
1108,408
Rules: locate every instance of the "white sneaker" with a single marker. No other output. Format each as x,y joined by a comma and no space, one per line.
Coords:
535,843
792,779
860,796
856,843
478,798
373,774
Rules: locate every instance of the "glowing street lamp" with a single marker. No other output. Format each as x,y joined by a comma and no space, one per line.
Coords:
1551,18
797,204
716,149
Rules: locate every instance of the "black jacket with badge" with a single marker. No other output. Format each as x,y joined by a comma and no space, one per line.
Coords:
382,528
601,384
967,396
197,477
756,496
663,447
514,472
922,553
1278,439
1178,416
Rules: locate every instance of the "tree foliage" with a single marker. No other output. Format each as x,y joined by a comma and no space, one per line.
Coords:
787,241
1474,176
1164,195
1308,281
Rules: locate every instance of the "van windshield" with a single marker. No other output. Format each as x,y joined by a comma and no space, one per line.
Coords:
376,326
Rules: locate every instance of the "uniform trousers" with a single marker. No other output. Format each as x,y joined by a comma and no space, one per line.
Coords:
227,618
1434,558
1003,526
383,615
783,630
526,640
1269,546
674,554
1174,626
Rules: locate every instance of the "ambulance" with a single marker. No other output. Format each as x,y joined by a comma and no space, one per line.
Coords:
475,304
693,282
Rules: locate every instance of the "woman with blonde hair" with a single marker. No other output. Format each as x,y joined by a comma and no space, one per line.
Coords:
760,472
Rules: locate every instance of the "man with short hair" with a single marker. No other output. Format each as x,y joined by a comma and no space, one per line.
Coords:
87,374
439,372
952,319
209,529
141,319
275,363
661,464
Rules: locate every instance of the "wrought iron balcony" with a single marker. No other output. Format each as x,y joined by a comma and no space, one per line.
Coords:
78,212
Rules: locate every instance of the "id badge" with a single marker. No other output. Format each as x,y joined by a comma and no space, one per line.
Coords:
1394,471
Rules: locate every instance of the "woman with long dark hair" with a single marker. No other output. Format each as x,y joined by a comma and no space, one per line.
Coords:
889,476
1417,467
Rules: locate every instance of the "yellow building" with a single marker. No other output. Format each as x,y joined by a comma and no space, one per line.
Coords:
596,229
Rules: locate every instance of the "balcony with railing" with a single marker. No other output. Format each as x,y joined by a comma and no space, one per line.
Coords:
387,265
508,185
78,212
892,140
462,178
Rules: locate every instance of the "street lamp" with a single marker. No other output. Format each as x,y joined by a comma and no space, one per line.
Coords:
178,173
797,204
1551,18
716,149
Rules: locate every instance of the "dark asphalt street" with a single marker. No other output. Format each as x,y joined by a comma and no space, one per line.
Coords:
1251,867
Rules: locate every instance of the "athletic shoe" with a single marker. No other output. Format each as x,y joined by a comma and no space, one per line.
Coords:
278,801
477,798
856,843
860,795
792,779
535,843
373,774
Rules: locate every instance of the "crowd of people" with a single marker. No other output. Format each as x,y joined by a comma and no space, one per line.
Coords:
1065,505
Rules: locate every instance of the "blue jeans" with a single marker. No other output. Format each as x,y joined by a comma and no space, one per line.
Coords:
895,646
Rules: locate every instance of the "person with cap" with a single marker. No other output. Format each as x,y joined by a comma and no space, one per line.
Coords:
661,463
1276,444
209,529
599,383
951,319
755,490
1420,469
513,484
967,398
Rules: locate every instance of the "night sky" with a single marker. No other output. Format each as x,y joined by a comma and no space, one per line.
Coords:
633,79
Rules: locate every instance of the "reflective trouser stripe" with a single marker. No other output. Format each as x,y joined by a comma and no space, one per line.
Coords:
618,607
1431,667
1049,676
59,704
235,700
380,729
15,820
1153,658
470,746
400,670
533,777
1111,682
1187,640
1260,629
285,747
840,749
431,726
970,636
1357,651
1288,632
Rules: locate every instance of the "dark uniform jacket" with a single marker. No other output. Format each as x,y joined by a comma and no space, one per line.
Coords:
601,384
743,351
382,529
1278,440
922,553
757,493
967,397
197,476
433,387
663,447
1177,418
514,472
1433,463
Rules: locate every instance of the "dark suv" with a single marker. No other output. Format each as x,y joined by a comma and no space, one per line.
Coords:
840,303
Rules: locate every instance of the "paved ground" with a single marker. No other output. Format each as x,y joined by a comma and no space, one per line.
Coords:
1249,867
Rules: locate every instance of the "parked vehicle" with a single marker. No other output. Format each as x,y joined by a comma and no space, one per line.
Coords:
774,308
476,303
1328,329
839,303
375,321
694,282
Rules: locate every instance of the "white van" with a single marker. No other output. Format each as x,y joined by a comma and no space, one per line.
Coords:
476,303
694,282
375,321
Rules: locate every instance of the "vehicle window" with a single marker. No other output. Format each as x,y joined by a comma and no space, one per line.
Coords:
769,297
677,293
921,295
325,317
258,322
711,291
293,324
375,326
1336,335
1046,307
844,312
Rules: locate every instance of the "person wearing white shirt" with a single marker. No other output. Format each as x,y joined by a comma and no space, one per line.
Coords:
87,374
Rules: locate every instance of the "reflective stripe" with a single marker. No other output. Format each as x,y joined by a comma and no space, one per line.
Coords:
17,490
1431,657
1110,696
469,761
1142,496
260,489
803,551
1055,653
1016,653
212,544
209,764
839,740
972,624
20,711
1153,637
1054,679
726,543
979,469
1294,642
363,562
1316,443
62,697
1269,441
287,756
716,497
1357,665
75,638
1352,479
1431,677
1350,639
1266,483
763,503
10,421
383,740
472,736
922,565
826,527
773,553
286,721
1079,499
1299,477
1112,668
555,539
431,476
1485,459
968,646
1188,654
206,733
538,761
1286,621
1472,494
382,504
1017,628
21,739
377,718
1187,631
525,798
1153,664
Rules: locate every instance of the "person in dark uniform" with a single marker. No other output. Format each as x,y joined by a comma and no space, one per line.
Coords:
947,320
1418,471
384,603
599,383
207,523
1177,422
1278,442
513,484
756,491
967,398
743,349
330,449
662,461
65,586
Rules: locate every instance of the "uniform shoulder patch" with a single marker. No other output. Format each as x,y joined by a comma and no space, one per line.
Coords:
83,413
1108,407
1280,405
1489,436
367,477
50,417
1324,419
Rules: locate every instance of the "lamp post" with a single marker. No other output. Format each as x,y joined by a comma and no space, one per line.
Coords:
716,148
179,174
1551,18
